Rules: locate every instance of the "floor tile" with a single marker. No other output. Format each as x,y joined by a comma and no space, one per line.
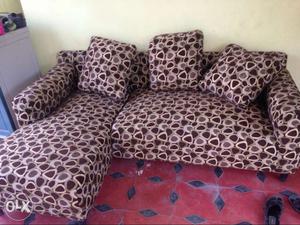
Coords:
195,201
239,207
16,217
203,173
274,184
126,167
114,192
47,219
236,177
108,217
152,195
289,215
163,170
178,220
136,217
182,220
4,220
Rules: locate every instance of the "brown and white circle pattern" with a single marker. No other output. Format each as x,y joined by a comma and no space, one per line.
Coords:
107,68
42,97
139,77
77,58
59,162
197,128
283,100
175,60
240,76
208,60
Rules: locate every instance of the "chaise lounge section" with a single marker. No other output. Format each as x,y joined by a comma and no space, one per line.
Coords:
58,158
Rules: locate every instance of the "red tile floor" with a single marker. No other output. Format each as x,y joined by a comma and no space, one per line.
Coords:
143,192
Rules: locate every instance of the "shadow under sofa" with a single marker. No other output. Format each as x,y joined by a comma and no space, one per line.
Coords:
62,151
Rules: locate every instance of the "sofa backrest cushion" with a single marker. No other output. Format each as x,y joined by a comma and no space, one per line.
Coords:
175,60
139,77
107,68
240,75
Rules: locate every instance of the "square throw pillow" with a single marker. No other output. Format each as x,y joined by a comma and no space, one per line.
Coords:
107,68
175,60
240,75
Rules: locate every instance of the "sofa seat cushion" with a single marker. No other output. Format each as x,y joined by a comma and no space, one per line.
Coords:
194,127
58,163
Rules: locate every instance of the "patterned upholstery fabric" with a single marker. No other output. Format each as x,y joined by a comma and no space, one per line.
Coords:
195,127
59,162
139,77
283,100
240,76
208,60
77,58
45,95
175,60
107,68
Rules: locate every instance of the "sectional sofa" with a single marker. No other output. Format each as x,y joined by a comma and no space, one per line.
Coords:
174,102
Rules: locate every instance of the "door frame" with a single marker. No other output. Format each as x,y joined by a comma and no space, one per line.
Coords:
6,117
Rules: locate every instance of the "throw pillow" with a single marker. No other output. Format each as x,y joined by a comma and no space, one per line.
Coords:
107,68
240,75
175,60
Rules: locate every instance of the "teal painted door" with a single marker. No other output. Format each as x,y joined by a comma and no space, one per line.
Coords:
6,122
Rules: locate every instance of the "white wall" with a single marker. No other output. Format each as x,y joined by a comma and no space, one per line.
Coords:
254,24
10,6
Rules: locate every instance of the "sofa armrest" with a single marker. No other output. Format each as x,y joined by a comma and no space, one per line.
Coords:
42,97
76,57
283,100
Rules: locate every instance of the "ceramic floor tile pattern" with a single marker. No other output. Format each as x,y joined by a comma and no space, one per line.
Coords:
143,192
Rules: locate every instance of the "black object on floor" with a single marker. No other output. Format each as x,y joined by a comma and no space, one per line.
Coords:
273,210
295,202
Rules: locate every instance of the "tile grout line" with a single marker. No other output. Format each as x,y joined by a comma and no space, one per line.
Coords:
174,204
